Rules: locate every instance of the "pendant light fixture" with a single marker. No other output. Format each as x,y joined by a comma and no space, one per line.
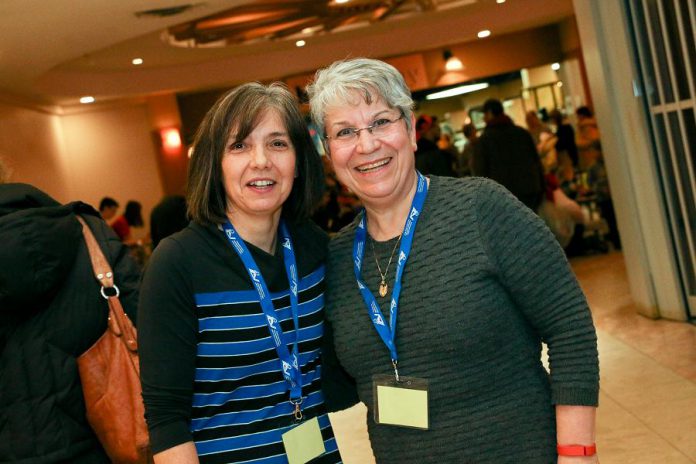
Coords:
452,63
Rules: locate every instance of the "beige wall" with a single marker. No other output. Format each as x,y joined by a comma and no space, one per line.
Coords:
111,152
85,155
31,146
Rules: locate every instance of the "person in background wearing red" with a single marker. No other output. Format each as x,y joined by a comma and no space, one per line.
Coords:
132,217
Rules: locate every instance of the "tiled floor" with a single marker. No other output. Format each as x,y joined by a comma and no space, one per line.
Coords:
647,412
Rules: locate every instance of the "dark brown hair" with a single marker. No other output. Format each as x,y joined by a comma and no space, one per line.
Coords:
240,110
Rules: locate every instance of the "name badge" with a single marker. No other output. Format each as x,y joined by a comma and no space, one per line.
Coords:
304,442
403,403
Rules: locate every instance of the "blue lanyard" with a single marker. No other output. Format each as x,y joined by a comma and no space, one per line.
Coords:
289,361
388,334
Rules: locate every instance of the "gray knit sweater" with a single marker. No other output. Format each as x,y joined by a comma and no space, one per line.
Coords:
485,284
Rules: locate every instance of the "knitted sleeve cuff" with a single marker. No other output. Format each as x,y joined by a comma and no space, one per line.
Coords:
575,396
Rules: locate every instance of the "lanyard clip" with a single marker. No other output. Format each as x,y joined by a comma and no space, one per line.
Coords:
396,371
298,410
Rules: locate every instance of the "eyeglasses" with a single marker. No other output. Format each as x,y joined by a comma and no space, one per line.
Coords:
349,135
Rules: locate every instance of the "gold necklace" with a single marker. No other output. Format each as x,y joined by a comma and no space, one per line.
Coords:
383,287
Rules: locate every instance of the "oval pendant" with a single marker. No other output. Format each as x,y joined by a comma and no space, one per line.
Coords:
383,289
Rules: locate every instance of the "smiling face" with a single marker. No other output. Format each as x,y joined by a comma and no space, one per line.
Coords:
380,170
258,172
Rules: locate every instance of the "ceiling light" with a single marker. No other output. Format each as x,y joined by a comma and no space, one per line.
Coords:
559,84
461,90
499,1
85,100
556,66
307,30
300,43
341,1
483,34
452,63
137,61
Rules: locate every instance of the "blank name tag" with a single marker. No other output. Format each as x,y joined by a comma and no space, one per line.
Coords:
403,403
304,442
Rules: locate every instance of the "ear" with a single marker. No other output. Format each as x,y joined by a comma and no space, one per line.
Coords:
412,134
327,151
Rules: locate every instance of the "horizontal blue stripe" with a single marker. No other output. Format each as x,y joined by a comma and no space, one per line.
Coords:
249,441
257,346
247,417
241,296
250,392
258,320
236,373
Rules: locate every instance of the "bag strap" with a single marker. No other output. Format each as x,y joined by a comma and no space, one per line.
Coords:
118,320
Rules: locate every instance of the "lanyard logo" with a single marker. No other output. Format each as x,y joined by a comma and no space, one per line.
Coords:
402,258
286,243
272,322
293,277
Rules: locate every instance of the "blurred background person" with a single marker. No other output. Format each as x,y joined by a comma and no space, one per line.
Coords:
465,158
108,208
167,217
131,217
566,149
430,159
507,154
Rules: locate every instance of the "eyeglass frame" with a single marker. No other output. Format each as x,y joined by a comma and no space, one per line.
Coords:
356,131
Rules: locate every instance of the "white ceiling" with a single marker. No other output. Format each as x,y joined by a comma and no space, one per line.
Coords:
53,52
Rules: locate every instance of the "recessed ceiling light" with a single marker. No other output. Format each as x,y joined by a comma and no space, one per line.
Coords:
483,34
137,61
86,100
499,1
300,43
342,1
307,30
556,66
559,84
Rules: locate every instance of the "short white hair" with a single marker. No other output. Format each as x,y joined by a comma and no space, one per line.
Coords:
372,79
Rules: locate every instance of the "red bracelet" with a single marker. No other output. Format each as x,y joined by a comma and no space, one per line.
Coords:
576,450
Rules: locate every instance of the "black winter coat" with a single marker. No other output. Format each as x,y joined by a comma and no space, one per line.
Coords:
51,311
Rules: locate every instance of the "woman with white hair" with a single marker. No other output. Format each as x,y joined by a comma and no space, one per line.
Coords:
473,282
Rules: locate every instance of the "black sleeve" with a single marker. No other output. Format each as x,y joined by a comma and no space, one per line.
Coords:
167,328
340,390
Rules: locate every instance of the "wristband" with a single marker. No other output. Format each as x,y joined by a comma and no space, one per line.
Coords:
576,450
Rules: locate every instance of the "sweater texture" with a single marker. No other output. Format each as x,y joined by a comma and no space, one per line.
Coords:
485,284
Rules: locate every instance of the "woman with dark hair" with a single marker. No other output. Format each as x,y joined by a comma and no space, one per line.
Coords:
131,217
232,307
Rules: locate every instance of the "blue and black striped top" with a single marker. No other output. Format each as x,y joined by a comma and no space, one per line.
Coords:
210,370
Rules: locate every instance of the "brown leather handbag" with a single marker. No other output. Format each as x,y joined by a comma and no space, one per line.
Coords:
110,374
